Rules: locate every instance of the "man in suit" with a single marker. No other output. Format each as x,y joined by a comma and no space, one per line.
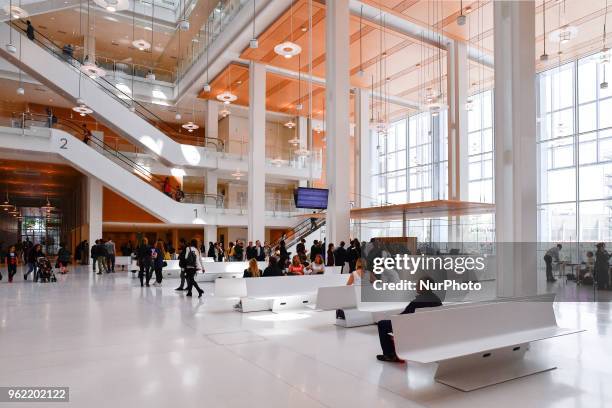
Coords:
251,251
260,253
340,255
424,298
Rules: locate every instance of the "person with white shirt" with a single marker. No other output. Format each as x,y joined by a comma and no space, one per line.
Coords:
317,267
191,260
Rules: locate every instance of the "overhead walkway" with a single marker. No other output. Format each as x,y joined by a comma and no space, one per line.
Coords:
44,60
126,178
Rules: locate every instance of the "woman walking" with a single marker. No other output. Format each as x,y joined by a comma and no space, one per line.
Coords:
158,254
144,261
192,261
11,263
63,258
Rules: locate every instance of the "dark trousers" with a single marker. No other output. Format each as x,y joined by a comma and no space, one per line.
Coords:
110,262
31,267
183,279
548,260
145,272
158,274
386,341
12,270
191,283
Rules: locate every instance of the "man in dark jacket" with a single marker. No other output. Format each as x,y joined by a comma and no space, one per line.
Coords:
251,251
424,298
94,254
340,255
259,250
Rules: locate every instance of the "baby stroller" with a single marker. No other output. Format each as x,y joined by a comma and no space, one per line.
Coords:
44,270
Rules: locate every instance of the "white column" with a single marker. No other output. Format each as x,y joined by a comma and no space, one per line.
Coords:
210,187
211,119
515,148
257,152
337,119
93,205
457,83
363,176
302,133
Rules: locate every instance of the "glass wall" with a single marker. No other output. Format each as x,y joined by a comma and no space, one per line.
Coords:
575,156
480,148
411,161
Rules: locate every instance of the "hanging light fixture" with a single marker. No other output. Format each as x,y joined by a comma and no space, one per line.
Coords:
224,113
113,5
227,97
14,210
183,24
361,72
290,124
47,207
254,43
605,52
15,12
190,126
544,56
207,86
288,49
6,204
469,103
10,47
82,109
461,19
564,34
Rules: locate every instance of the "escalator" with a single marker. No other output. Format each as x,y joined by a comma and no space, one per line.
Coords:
304,229
69,77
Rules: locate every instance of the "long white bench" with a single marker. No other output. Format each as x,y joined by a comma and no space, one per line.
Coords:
213,270
350,312
276,293
123,261
477,345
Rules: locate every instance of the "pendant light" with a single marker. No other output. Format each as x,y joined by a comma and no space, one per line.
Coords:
254,43
544,56
47,207
178,116
469,103
10,47
207,86
191,125
461,19
20,88
605,57
89,66
81,108
566,32
183,22
288,49
113,5
227,97
6,204
361,73
141,44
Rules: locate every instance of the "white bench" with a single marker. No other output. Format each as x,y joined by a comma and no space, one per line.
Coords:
213,270
123,261
478,344
350,312
275,293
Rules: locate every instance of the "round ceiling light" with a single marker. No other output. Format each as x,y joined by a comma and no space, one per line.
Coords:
290,124
92,70
16,12
190,126
113,5
563,34
141,44
227,97
11,48
287,49
224,113
82,110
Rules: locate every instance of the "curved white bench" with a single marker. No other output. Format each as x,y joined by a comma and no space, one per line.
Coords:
477,345
275,293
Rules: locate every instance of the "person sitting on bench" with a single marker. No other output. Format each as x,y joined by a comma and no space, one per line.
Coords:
424,298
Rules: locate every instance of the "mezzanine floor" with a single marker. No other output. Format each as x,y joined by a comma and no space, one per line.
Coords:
117,345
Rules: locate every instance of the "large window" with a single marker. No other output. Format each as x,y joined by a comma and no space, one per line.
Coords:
411,161
575,155
480,148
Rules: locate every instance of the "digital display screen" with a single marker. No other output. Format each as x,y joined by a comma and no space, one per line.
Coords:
313,198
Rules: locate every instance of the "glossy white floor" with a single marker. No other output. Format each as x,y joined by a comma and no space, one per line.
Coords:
118,345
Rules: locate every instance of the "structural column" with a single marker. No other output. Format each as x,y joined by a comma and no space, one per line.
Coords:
515,148
363,190
337,119
210,190
93,205
458,160
211,119
257,152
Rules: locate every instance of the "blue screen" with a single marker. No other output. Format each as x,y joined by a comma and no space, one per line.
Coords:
314,198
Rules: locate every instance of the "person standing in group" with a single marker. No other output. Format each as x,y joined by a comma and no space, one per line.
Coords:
551,254
283,254
239,251
11,263
330,260
167,187
192,262
94,254
143,254
251,251
340,256
602,265
110,254
181,250
211,251
101,257
260,253
230,251
158,254
86,134
219,252
63,258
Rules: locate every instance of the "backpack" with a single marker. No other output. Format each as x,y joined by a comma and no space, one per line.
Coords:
189,259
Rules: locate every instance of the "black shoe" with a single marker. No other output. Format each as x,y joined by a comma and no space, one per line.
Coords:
25,277
389,359
200,294
99,273
179,288
148,285
188,294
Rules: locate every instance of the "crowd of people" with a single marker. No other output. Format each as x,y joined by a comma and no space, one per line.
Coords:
595,269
